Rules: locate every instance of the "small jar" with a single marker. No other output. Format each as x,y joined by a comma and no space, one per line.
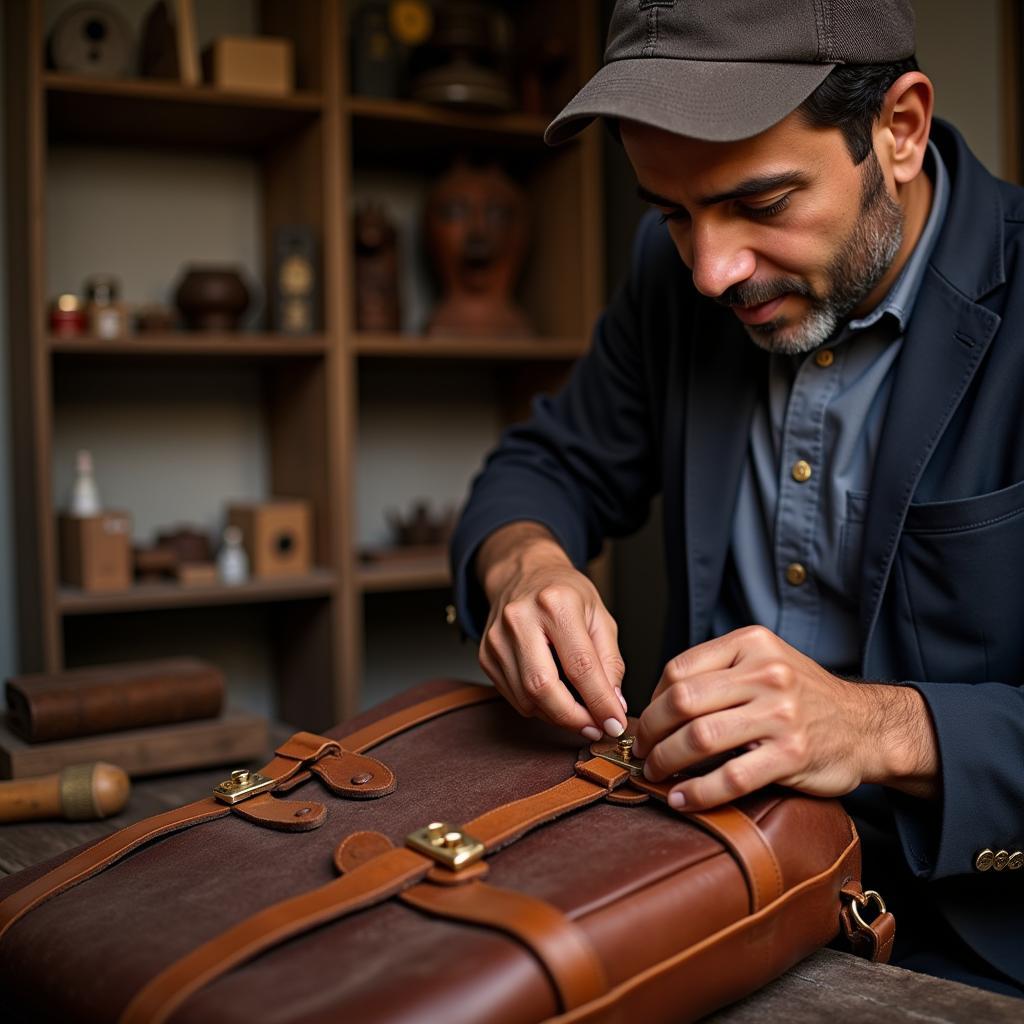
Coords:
108,317
67,317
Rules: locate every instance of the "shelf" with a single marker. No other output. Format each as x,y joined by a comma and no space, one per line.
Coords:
415,346
202,344
424,573
160,112
392,126
151,596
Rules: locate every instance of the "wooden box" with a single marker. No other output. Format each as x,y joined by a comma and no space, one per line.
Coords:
250,64
96,551
277,536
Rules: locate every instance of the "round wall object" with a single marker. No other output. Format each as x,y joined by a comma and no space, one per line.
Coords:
92,39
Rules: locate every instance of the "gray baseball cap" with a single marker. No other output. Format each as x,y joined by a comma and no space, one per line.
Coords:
728,69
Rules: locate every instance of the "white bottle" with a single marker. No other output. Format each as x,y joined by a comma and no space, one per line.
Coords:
232,561
85,497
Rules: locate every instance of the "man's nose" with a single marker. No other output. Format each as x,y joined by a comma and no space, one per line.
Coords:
719,258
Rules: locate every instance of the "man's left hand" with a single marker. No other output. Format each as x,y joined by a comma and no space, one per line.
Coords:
795,724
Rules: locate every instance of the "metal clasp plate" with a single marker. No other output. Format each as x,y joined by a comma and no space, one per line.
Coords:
447,844
619,752
242,785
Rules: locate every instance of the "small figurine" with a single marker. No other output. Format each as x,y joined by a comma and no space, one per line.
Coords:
476,233
377,300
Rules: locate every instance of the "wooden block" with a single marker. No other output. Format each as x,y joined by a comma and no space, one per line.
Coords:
235,739
96,551
197,574
276,536
250,64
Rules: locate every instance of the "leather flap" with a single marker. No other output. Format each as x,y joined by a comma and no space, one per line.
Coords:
358,848
283,815
357,776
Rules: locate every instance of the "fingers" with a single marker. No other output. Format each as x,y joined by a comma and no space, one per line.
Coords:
595,667
703,738
737,777
687,700
716,655
516,655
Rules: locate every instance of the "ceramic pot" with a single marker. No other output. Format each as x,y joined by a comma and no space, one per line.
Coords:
212,298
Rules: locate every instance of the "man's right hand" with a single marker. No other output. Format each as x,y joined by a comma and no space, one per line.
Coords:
539,602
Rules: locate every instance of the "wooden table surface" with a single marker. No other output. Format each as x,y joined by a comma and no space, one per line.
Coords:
828,986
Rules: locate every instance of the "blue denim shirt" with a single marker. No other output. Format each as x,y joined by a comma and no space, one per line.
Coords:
804,489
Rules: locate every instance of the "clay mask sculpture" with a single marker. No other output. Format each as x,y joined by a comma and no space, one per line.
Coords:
476,233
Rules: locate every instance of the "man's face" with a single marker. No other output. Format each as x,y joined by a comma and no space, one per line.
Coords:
783,228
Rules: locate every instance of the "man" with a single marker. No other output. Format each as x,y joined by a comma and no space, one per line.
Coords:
816,358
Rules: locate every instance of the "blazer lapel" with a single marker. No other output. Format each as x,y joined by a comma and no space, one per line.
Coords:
725,367
946,341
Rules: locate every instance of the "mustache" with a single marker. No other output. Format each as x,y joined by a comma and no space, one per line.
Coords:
756,293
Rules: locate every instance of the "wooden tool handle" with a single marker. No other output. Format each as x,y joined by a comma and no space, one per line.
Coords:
80,792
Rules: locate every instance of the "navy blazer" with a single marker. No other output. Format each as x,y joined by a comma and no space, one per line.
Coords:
663,402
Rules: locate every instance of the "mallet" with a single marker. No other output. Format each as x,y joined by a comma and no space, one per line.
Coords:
80,792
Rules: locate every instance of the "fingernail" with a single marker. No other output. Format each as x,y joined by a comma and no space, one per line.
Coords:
647,772
622,700
591,733
614,728
676,800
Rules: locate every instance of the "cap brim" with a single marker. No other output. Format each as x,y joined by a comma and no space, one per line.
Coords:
719,101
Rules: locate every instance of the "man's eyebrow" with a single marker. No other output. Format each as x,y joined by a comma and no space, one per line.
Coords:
750,187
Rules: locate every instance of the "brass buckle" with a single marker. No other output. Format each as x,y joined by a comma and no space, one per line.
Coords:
242,785
862,901
619,752
447,844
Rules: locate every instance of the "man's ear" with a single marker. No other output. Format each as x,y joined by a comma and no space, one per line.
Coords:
901,132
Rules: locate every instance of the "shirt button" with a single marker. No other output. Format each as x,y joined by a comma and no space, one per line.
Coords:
801,471
1002,858
1016,861
825,357
795,574
984,860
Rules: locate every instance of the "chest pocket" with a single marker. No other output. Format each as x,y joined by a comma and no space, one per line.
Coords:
961,567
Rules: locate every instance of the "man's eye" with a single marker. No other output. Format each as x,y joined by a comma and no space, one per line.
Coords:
768,211
676,216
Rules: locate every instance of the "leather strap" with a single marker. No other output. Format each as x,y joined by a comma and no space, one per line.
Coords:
362,887
369,883
743,838
561,947
873,942
285,768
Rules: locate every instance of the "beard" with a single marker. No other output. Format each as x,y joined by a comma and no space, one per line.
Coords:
859,263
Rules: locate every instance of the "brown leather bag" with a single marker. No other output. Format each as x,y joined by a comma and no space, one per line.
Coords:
477,867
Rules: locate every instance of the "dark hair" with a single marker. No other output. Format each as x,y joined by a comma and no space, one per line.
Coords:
851,98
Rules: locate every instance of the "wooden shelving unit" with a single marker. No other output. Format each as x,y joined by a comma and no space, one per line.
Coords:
307,147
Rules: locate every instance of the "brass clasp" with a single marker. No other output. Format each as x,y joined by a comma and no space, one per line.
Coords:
242,785
856,902
619,752
447,844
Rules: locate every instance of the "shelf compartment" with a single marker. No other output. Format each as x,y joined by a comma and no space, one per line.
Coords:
423,572
158,112
201,344
414,346
151,596
394,126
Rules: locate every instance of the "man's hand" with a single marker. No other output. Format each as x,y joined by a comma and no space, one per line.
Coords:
540,601
795,723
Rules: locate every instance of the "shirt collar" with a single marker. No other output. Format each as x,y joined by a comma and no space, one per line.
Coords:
900,299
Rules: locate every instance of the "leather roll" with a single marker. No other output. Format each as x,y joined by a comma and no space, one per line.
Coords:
109,698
